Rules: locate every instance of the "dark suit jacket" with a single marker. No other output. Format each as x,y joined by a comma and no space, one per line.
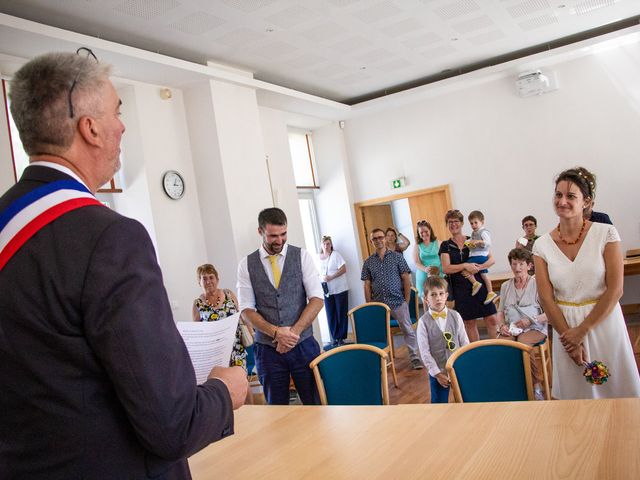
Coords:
600,217
95,380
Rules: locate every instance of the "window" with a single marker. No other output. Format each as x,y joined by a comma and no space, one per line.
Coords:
311,232
301,148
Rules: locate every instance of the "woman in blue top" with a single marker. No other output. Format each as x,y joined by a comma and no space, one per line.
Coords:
425,254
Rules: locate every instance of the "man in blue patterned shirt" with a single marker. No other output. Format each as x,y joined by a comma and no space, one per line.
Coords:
387,279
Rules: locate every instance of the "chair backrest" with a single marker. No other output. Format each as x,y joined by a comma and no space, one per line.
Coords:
370,323
491,371
414,305
352,375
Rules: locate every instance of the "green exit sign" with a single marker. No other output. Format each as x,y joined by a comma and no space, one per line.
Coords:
397,183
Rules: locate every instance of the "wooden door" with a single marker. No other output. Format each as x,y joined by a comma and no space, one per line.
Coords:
432,207
375,216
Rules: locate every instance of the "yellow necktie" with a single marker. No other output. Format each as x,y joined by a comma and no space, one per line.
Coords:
275,269
437,315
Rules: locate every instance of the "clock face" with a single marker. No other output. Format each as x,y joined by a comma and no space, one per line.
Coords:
173,184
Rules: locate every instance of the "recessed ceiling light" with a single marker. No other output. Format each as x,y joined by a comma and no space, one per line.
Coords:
562,5
454,39
363,68
269,30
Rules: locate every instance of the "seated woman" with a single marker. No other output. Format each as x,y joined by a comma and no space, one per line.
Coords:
215,303
520,316
396,242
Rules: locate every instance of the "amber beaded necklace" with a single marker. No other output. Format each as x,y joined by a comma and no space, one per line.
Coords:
584,224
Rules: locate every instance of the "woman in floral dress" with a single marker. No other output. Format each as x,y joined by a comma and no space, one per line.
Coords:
216,303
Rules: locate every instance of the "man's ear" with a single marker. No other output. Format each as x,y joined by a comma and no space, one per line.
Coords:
260,231
88,129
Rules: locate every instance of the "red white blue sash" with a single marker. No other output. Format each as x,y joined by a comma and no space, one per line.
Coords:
25,216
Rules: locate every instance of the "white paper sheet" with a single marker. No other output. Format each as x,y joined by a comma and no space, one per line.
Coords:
209,343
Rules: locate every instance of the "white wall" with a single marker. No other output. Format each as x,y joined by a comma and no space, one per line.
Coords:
180,238
500,152
335,204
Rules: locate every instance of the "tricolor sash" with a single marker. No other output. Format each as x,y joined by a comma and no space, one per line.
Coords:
25,216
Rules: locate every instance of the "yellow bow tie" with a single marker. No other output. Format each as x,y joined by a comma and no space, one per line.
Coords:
437,315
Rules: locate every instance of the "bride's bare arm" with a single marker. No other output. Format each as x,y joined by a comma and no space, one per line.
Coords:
545,293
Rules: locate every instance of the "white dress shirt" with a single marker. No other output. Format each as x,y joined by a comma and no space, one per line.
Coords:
60,168
246,296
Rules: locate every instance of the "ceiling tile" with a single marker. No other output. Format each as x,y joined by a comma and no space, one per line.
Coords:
248,5
306,61
422,40
439,51
486,37
525,8
325,31
146,9
240,36
456,9
275,49
376,12
538,22
473,24
395,64
197,23
373,56
402,27
591,5
291,17
351,44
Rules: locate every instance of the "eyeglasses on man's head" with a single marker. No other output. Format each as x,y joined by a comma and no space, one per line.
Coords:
75,80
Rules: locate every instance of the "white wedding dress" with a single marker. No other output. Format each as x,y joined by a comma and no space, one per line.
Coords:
581,282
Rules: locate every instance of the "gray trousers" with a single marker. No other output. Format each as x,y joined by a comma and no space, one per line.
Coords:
401,315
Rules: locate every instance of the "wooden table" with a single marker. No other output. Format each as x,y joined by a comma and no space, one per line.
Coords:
585,439
631,267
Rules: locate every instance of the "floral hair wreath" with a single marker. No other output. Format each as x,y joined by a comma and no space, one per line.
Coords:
589,182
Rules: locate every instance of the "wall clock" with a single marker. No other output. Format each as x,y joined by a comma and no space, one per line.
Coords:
173,184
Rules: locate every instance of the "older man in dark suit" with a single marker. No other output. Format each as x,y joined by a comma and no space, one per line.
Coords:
96,381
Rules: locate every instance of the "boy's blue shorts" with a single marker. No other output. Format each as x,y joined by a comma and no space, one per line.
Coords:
479,259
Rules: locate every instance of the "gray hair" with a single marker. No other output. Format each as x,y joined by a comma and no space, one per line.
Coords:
39,95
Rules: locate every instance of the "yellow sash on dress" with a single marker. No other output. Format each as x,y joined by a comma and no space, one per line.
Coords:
573,304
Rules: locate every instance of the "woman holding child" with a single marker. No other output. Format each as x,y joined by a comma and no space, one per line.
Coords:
579,273
454,255
520,316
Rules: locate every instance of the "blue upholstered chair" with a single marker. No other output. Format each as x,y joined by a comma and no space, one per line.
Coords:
251,361
352,375
491,371
370,325
414,313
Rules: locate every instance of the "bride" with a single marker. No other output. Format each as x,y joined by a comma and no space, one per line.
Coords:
579,274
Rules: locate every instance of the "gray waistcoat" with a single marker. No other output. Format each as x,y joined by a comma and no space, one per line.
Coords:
437,343
281,307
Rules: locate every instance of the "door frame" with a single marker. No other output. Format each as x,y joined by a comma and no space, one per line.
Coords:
358,207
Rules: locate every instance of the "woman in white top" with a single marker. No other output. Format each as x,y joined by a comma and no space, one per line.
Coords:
336,298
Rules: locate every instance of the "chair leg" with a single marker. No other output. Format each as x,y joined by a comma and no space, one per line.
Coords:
393,370
545,362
